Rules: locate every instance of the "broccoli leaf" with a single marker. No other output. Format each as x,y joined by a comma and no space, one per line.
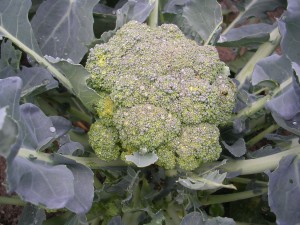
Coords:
14,23
69,147
64,28
203,17
39,130
9,57
263,151
132,10
287,104
258,8
193,218
33,215
77,76
8,133
82,199
285,179
173,6
220,221
292,125
290,31
36,80
35,180
238,148
39,183
211,180
273,68
197,218
142,160
117,220
10,93
246,35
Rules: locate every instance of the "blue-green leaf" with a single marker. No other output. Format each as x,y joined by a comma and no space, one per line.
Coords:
246,35
287,104
8,133
211,180
38,129
142,160
39,183
274,68
137,10
32,215
10,93
193,218
64,28
289,28
10,57
36,80
77,75
258,8
14,23
238,148
203,17
116,220
285,180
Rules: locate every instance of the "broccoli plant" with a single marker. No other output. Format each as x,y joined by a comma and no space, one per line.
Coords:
159,93
167,112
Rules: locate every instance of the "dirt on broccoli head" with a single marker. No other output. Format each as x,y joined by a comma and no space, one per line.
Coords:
9,214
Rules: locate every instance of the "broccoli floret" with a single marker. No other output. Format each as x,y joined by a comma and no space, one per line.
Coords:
198,144
157,87
145,127
104,140
106,209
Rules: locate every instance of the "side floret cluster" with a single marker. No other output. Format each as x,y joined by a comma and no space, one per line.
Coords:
159,92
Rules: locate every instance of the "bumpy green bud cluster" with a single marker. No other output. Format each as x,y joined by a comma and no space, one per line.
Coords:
154,84
145,127
104,140
197,145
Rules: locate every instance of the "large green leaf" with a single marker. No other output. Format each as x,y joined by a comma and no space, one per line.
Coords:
10,57
285,179
14,23
258,8
252,34
77,76
132,10
203,17
273,68
211,180
142,160
289,28
64,28
8,133
33,215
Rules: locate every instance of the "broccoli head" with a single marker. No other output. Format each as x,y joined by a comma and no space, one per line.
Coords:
159,92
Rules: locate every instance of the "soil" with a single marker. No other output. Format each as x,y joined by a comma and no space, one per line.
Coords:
9,214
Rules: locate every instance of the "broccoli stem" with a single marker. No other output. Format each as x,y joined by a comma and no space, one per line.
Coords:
13,200
212,34
218,199
263,51
259,165
153,18
172,212
262,134
242,180
91,162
